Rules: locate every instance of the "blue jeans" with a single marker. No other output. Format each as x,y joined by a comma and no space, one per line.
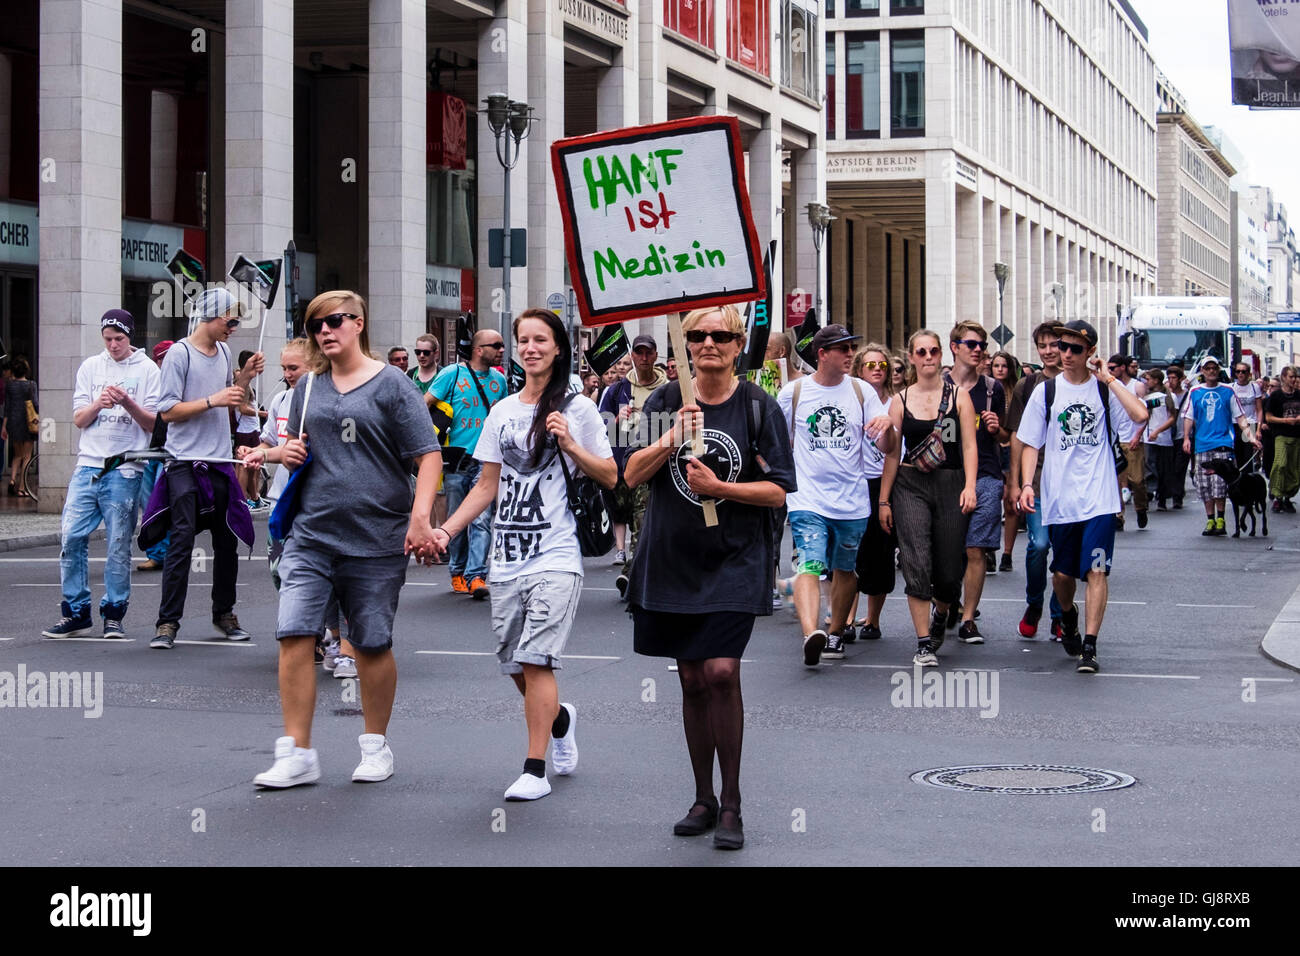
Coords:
112,500
468,551
1036,562
147,481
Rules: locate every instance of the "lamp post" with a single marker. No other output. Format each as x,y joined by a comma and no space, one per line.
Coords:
1001,271
819,217
509,121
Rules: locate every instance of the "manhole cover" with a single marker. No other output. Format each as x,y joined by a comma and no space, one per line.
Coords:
1024,778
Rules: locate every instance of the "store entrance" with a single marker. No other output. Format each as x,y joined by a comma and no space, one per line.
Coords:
18,317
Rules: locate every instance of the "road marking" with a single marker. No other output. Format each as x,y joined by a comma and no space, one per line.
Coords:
461,653
1270,680
64,640
897,667
1134,603
1243,606
6,638
599,589
255,557
423,584
1155,676
563,657
217,643
1131,603
134,584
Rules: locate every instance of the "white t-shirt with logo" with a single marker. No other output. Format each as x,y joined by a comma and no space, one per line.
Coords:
829,447
1125,426
1158,414
113,430
1078,464
1246,394
533,529
275,433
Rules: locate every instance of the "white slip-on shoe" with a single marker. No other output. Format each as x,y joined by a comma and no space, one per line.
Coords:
293,767
564,750
376,759
528,787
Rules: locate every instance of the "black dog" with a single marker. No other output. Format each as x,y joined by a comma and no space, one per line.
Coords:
1248,493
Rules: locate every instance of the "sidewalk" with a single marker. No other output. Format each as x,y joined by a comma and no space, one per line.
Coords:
1282,642
27,529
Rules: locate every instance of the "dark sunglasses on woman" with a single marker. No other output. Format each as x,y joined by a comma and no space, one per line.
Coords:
933,352
314,325
696,336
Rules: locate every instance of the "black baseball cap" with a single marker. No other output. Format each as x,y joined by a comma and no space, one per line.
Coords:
832,335
1080,328
644,341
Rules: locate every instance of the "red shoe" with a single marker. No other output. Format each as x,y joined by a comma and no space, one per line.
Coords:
1029,623
459,585
1058,633
478,589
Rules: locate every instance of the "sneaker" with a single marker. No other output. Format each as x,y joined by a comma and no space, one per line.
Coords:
1070,638
528,787
1288,506
954,615
318,652
564,750
990,563
376,759
478,589
165,637
925,655
937,626
620,582
344,667
777,601
228,625
1005,564
969,633
1220,528
850,633
1277,506
620,556
1178,504
813,645
1162,506
71,625
459,585
149,564
869,632
1088,660
1126,495
331,655
834,650
1209,531
113,628
293,766
1056,629
1029,622
1142,519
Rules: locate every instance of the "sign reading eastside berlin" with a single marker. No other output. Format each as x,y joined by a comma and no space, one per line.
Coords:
657,219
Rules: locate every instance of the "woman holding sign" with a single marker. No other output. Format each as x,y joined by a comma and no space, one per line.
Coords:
536,575
709,583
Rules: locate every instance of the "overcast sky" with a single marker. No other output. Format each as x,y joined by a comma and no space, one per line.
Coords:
1189,42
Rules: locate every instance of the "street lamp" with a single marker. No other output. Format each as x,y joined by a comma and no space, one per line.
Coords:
510,121
819,217
1001,271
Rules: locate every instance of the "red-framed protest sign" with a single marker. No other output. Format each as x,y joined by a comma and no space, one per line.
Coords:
657,219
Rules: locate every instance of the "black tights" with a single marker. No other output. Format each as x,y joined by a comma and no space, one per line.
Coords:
714,716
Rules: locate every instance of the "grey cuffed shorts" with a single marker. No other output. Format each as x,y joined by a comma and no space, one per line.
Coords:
532,616
367,590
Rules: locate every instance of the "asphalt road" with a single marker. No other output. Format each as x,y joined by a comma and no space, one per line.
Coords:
827,760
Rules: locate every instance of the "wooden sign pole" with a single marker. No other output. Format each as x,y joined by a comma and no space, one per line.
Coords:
678,339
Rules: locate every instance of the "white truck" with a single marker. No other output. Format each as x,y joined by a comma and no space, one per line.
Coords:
1161,330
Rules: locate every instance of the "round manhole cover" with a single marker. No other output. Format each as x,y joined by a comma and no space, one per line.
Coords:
1024,778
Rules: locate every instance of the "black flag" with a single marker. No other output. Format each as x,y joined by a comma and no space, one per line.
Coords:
758,320
803,337
610,346
466,326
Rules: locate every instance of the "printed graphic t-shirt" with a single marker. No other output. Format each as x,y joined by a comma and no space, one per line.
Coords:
276,433
1078,465
1214,410
829,445
1283,405
533,530
455,386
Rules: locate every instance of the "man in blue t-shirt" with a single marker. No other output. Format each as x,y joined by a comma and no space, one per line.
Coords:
471,390
1208,415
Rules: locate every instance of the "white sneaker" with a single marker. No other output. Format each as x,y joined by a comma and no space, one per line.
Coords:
528,787
331,654
564,750
293,766
344,667
376,759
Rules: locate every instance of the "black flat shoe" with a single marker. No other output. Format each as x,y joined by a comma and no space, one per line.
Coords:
729,838
700,823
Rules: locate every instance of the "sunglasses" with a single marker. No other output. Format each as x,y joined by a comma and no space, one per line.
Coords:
1076,348
933,352
1243,371
972,344
333,321
876,366
417,351
232,324
720,337
494,345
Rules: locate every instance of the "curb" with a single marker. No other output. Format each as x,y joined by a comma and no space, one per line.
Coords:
41,540
1281,644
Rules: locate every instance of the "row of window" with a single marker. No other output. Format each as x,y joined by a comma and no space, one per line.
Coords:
1206,175
1201,257
859,79
749,29
1197,212
871,8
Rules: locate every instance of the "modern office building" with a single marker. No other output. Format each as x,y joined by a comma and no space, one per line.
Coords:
966,133
130,129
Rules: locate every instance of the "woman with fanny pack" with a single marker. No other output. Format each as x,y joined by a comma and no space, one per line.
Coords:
927,490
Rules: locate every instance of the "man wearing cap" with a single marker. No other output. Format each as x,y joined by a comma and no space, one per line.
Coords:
1208,413
1067,418
622,404
1134,477
154,554
113,406
199,385
834,422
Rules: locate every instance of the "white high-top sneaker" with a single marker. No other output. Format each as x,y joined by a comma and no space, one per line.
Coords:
293,766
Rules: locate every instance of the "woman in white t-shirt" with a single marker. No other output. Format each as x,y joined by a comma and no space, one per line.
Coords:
536,574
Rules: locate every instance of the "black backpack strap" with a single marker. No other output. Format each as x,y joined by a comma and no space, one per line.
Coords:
755,415
1049,399
1104,392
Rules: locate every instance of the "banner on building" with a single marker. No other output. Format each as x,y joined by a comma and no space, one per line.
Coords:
610,346
657,219
1264,41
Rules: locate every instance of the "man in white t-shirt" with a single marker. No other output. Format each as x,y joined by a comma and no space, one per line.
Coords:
831,417
1251,398
1066,417
1130,436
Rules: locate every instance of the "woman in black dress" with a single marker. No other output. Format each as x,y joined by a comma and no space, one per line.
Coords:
18,392
709,583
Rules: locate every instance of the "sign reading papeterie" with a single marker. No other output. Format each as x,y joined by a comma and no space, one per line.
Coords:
657,219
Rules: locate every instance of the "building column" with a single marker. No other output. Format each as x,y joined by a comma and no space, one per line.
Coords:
259,151
940,242
80,210
652,76
988,288
970,252
397,245
546,97
838,295
897,279
870,290
915,319
1020,308
809,186
503,68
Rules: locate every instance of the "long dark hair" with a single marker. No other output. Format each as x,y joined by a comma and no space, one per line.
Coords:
557,388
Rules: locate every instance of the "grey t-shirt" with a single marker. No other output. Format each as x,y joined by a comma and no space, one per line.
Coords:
187,376
357,495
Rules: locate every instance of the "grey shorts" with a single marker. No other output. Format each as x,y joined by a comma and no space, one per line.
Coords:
532,616
985,528
367,590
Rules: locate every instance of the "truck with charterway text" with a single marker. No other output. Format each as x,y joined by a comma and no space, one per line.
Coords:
1162,330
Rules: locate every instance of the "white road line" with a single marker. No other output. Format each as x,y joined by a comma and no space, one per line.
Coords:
461,653
105,640
1154,676
908,666
217,643
599,589
423,584
1270,680
6,638
135,557
564,657
1130,603
134,584
1216,605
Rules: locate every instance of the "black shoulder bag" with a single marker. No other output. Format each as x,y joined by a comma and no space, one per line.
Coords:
595,531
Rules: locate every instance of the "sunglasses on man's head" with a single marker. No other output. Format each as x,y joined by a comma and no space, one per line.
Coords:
720,337
876,366
933,352
1075,348
972,344
333,321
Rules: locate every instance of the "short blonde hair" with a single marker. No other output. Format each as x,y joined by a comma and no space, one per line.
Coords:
323,305
731,319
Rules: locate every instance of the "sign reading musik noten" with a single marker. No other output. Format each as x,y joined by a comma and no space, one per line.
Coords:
874,165
594,18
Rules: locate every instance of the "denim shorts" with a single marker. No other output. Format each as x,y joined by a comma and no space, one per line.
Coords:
532,615
985,528
367,590
825,544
